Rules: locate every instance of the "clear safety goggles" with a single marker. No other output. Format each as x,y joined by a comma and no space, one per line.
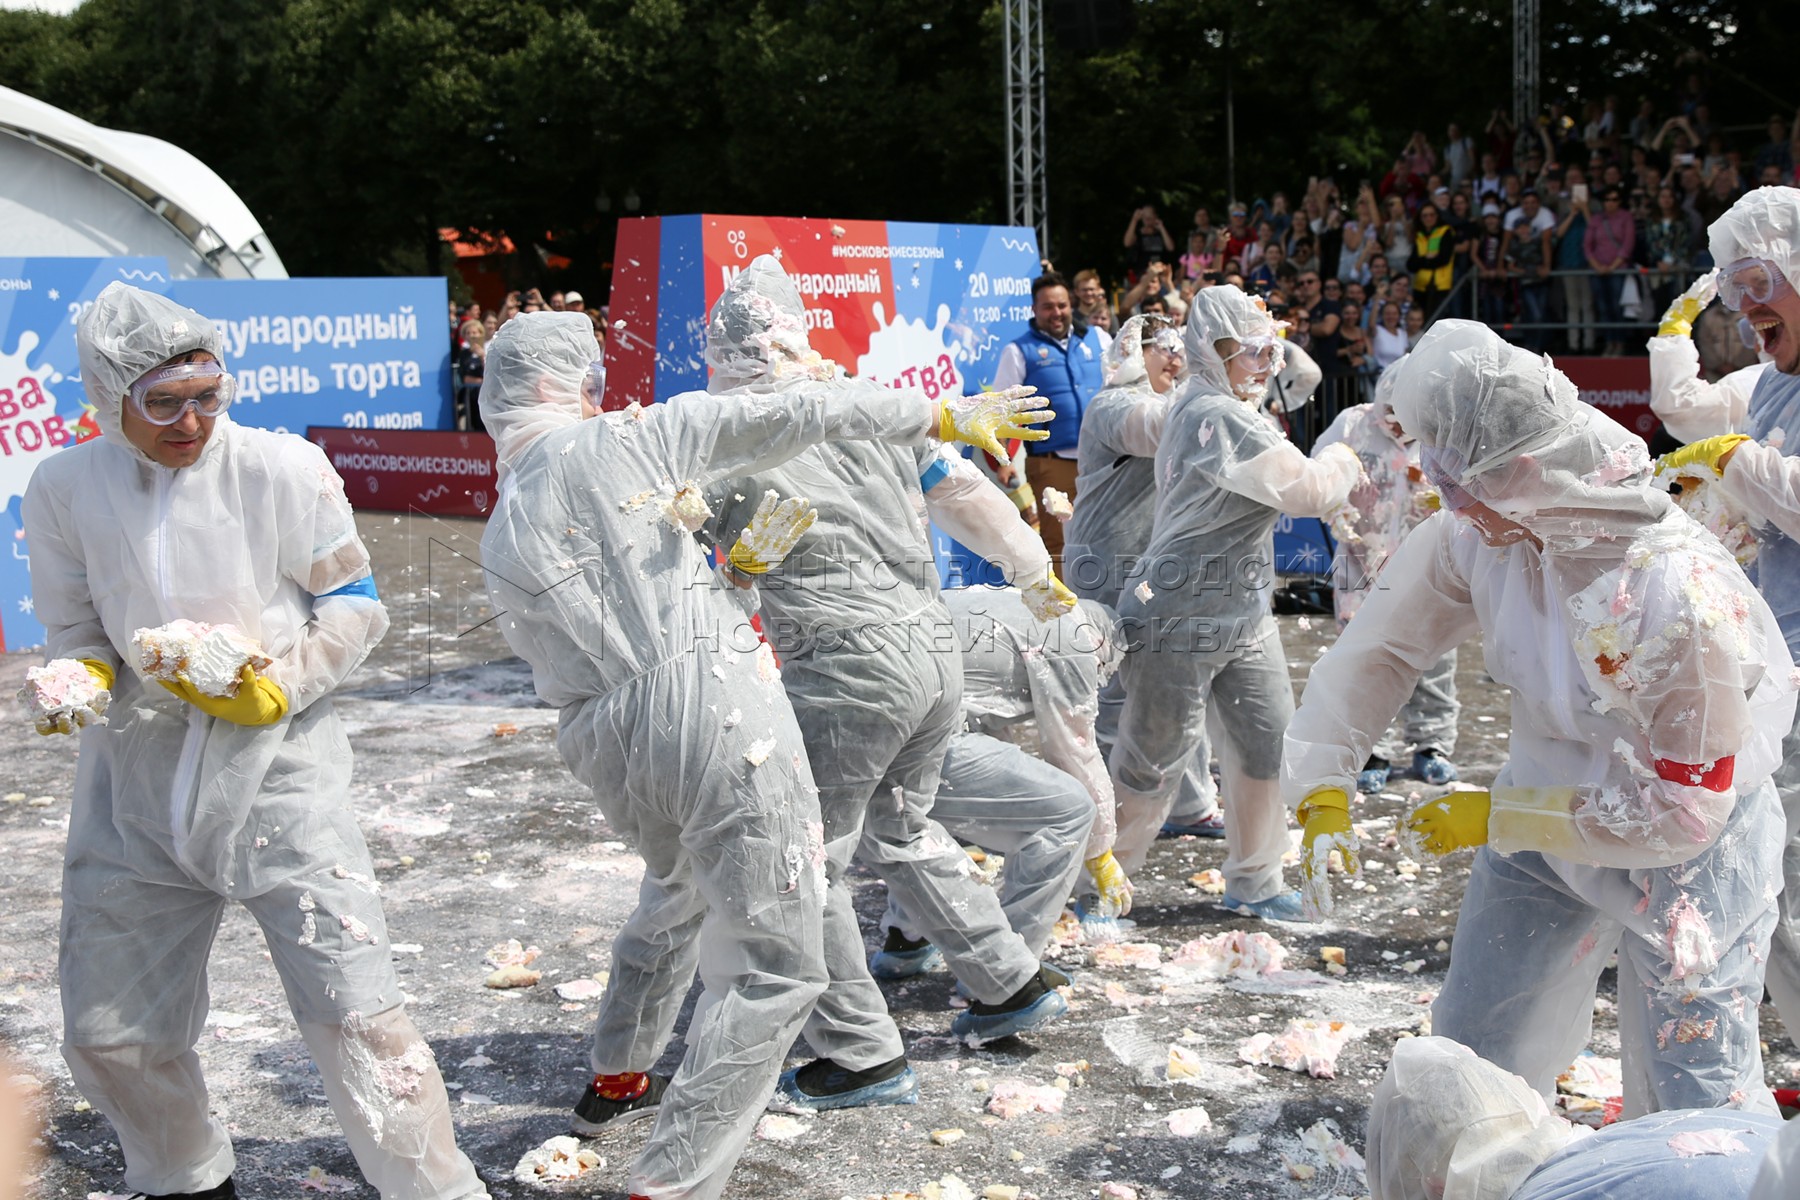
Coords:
1259,354
593,383
163,397
1442,467
1166,340
1754,279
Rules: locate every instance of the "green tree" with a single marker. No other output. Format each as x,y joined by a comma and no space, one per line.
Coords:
355,129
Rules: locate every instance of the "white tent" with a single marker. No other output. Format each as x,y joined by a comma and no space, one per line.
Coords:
69,188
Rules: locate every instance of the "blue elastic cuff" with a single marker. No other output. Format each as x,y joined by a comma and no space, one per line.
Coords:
364,587
936,473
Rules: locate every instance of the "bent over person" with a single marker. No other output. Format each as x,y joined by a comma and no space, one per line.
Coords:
184,799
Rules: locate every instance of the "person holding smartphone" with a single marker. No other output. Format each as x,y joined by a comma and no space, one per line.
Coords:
1570,255
1147,237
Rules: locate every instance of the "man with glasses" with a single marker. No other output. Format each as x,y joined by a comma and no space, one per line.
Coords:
1758,240
184,799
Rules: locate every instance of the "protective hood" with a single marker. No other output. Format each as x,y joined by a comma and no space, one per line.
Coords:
1223,312
127,333
1447,1125
1507,427
532,385
1764,223
756,336
1123,363
1382,406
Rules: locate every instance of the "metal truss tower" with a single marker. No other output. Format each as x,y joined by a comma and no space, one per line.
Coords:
1525,62
1025,118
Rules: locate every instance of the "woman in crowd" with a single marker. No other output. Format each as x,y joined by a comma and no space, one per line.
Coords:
1610,240
1353,255
471,357
1353,345
1388,343
1668,243
1433,260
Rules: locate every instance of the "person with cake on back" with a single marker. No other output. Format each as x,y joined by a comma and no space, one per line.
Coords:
203,777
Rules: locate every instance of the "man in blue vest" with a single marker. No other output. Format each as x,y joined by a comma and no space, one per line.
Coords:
1060,356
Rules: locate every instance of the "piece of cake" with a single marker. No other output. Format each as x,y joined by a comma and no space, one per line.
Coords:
62,696
211,658
687,509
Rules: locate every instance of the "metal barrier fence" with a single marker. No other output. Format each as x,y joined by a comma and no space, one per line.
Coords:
1534,313
1529,307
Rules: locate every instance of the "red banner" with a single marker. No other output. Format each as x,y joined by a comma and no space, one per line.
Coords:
1618,387
447,474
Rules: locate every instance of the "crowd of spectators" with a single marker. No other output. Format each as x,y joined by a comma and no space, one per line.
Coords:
471,328
1568,235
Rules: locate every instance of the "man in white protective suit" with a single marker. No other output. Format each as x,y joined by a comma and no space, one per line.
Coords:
185,800
1206,645
1743,439
1024,777
869,661
673,712
1650,691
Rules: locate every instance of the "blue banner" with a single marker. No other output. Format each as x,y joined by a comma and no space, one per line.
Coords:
42,405
356,353
1303,546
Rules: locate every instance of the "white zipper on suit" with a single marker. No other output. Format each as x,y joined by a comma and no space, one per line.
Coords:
182,788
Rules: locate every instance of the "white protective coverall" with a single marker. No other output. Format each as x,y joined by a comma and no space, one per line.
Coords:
1690,407
176,812
1292,388
672,712
1650,690
1779,1178
1195,611
1448,1125
1385,506
1028,686
869,660
1115,507
1763,479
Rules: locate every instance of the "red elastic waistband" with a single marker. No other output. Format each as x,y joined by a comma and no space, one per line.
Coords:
1716,778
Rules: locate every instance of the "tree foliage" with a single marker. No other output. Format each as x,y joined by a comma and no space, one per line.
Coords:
356,128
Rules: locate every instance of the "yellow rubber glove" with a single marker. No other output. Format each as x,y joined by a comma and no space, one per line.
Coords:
1023,497
1704,453
1431,501
987,419
1324,826
1046,598
1679,320
771,533
1456,821
1110,885
258,702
